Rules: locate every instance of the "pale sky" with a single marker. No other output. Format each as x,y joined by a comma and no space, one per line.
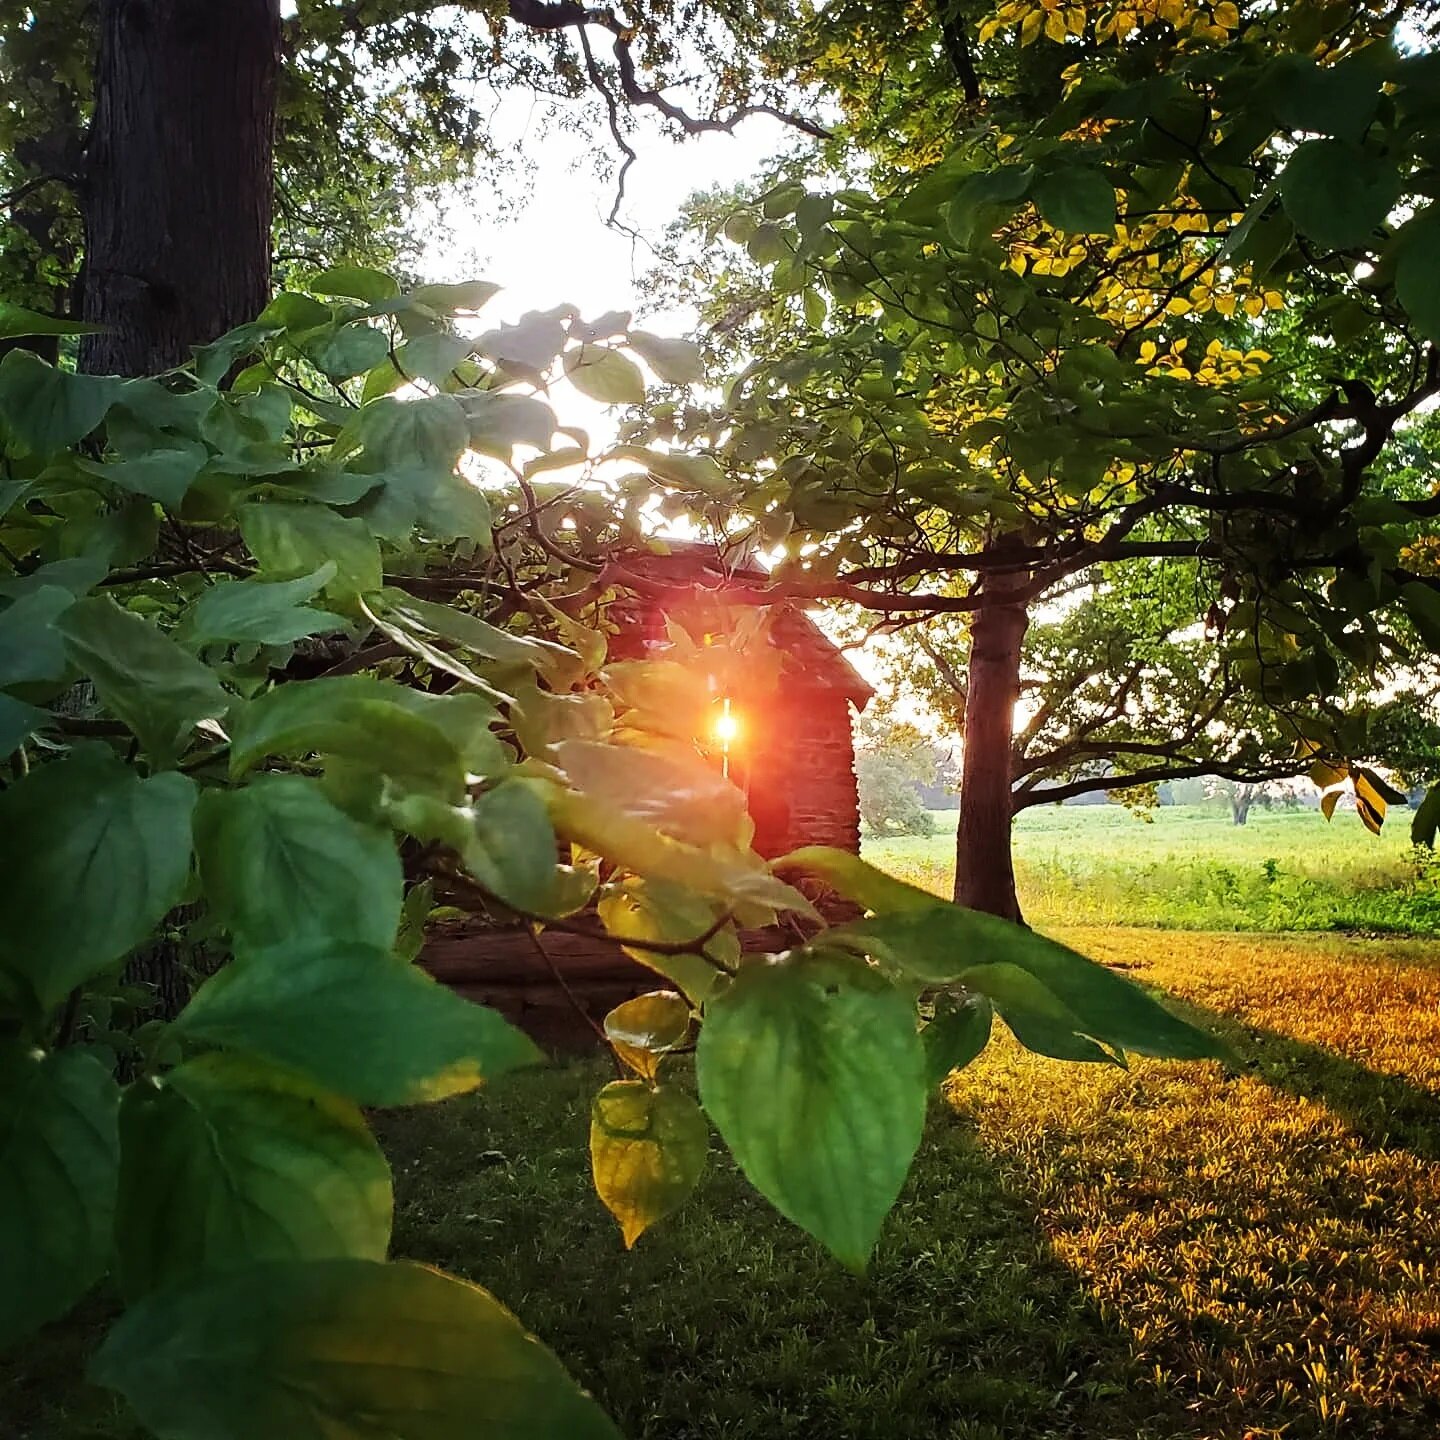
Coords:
557,247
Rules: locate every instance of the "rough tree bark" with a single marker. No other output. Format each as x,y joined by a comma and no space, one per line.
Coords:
984,867
179,179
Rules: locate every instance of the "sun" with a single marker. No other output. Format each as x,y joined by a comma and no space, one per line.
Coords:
727,725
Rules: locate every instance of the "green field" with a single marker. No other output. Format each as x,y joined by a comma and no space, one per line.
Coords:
1189,867
1166,1253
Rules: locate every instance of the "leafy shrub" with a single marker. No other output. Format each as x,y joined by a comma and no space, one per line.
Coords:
261,635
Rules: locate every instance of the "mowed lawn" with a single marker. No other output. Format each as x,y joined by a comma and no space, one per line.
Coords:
1189,867
1170,1251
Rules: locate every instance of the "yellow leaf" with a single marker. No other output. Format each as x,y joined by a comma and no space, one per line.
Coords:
643,1030
1371,818
647,1152
1328,803
1030,27
1367,795
1254,305
1075,20
1055,27
1227,15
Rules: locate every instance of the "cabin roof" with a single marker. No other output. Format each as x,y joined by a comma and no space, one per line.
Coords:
811,658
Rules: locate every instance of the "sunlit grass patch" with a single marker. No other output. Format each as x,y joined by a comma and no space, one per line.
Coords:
1188,867
1268,1240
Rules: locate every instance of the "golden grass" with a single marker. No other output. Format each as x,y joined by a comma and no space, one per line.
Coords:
1269,1240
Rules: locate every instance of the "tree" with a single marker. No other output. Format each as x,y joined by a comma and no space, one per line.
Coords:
359,682
149,128
892,761
1055,350
1123,687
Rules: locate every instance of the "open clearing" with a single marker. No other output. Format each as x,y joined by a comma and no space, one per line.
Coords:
1188,867
1167,1252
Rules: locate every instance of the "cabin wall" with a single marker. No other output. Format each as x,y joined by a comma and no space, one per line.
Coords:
800,778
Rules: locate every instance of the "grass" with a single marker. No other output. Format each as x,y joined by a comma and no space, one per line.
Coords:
1168,1253
1188,867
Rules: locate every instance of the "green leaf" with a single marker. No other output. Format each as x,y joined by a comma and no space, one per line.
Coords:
357,1020
226,1162
678,362
293,311
16,321
1426,824
1078,199
529,346
498,422
813,1073
340,1350
91,857
956,1035
644,1030
32,650
214,361
348,350
516,655
262,612
374,723
429,432
1004,185
47,409
504,838
647,1152
1337,194
938,943
605,375
58,1160
18,721
141,675
685,472
672,915
164,474
725,873
468,295
433,357
674,791
355,282
511,849
1339,100
465,719
1422,605
1039,1020
279,862
290,540
1417,276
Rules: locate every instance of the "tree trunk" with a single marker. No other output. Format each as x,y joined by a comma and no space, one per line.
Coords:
1241,799
179,179
984,866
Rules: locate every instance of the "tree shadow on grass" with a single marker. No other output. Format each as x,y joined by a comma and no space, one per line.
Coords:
1384,1110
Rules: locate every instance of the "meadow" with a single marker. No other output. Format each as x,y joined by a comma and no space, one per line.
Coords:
1188,867
1168,1252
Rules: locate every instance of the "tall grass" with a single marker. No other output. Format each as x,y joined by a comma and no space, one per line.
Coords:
1189,868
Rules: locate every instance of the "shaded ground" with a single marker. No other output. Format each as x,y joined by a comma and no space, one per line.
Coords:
1147,1255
